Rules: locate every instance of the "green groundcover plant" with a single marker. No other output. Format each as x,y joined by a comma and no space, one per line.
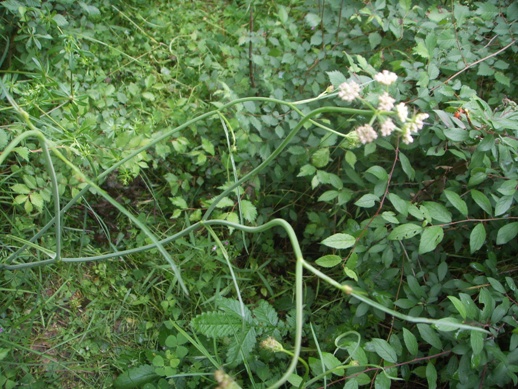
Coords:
356,227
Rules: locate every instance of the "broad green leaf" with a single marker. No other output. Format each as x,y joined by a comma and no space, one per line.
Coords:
503,79
507,233
438,212
399,204
382,382
457,202
442,270
429,335
503,204
339,241
350,273
179,202
36,200
367,201
351,383
330,362
148,96
477,238
405,231
328,260
459,306
350,158
430,238
410,342
383,349
431,376
496,285
208,146
307,170
320,158
477,342
508,188
447,324
248,210
482,201
378,172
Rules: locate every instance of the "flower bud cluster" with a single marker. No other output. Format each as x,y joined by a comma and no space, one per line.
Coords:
350,91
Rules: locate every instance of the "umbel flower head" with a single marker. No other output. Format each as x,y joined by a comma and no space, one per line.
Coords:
385,77
348,91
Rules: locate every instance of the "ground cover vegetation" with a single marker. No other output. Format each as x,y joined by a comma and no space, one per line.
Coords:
258,194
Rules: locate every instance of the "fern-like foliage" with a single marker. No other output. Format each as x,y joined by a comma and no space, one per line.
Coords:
239,332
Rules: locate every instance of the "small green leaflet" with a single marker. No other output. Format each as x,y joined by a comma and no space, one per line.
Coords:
339,241
430,238
407,166
405,231
457,202
328,260
367,201
248,211
477,238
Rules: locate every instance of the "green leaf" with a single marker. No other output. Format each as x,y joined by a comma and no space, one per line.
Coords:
180,202
507,233
477,238
328,196
350,158
438,212
482,201
336,77
410,342
382,382
429,335
320,158
265,313
378,172
330,362
383,349
248,210
407,166
339,241
390,217
447,324
503,79
149,96
477,342
207,146
20,189
459,306
457,202
36,200
367,201
405,231
431,376
496,285
350,273
3,139
328,260
503,204
399,204
136,377
430,238
217,324
307,170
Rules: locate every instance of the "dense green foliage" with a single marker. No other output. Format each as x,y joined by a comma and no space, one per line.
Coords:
122,156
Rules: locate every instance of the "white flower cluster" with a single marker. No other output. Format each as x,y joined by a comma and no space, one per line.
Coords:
350,90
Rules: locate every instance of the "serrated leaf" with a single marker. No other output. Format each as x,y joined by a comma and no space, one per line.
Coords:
339,241
217,324
249,211
503,79
307,170
430,238
207,146
242,346
36,200
265,313
477,238
367,201
20,189
405,231
22,152
457,202
336,78
482,201
320,158
507,233
410,342
328,260
179,202
429,335
383,349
